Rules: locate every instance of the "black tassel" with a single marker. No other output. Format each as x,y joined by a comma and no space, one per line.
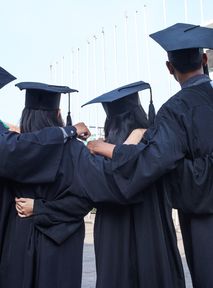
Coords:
69,120
151,113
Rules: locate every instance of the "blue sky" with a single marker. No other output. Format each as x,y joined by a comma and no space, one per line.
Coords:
38,33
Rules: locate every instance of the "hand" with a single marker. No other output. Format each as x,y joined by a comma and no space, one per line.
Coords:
94,145
82,131
100,147
135,136
24,207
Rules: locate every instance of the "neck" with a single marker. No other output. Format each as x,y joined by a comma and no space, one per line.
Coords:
183,77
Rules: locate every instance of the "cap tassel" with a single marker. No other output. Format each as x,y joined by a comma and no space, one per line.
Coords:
69,120
151,113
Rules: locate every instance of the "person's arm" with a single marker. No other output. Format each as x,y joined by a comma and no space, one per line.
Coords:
58,219
35,157
133,167
135,136
102,148
190,185
66,208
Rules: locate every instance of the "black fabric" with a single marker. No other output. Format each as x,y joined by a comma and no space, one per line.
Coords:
189,187
36,250
183,128
5,77
15,164
135,246
45,250
31,157
130,241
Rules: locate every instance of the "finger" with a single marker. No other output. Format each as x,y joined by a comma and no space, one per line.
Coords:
22,215
18,206
19,210
20,200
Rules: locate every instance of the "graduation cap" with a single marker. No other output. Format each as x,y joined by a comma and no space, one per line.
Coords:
124,99
40,96
184,36
5,77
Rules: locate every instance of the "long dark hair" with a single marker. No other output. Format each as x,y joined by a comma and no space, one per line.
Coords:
34,120
118,128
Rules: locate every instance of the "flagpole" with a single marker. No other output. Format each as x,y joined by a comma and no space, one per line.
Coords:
201,12
51,73
185,11
72,82
164,13
137,45
87,75
126,46
62,71
147,43
56,72
95,83
77,82
103,57
115,55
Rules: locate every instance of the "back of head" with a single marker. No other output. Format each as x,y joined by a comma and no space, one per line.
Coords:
34,120
118,127
123,110
184,44
186,60
41,106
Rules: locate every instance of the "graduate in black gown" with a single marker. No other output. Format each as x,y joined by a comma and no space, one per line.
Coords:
183,128
51,255
6,199
130,240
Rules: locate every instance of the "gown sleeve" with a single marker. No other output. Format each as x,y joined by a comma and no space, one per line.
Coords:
61,217
133,167
31,157
190,185
136,167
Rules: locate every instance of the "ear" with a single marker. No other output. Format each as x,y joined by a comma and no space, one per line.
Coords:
204,59
170,67
59,113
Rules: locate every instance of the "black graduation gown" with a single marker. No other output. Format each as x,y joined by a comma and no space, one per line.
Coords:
191,188
192,194
43,148
130,241
183,128
43,251
135,245
5,200
17,151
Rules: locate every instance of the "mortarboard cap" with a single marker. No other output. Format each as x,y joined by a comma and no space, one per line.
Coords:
184,36
43,96
122,99
5,77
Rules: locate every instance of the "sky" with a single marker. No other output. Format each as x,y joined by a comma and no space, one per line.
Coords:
94,46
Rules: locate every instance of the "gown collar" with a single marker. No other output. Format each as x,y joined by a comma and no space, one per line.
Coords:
196,80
